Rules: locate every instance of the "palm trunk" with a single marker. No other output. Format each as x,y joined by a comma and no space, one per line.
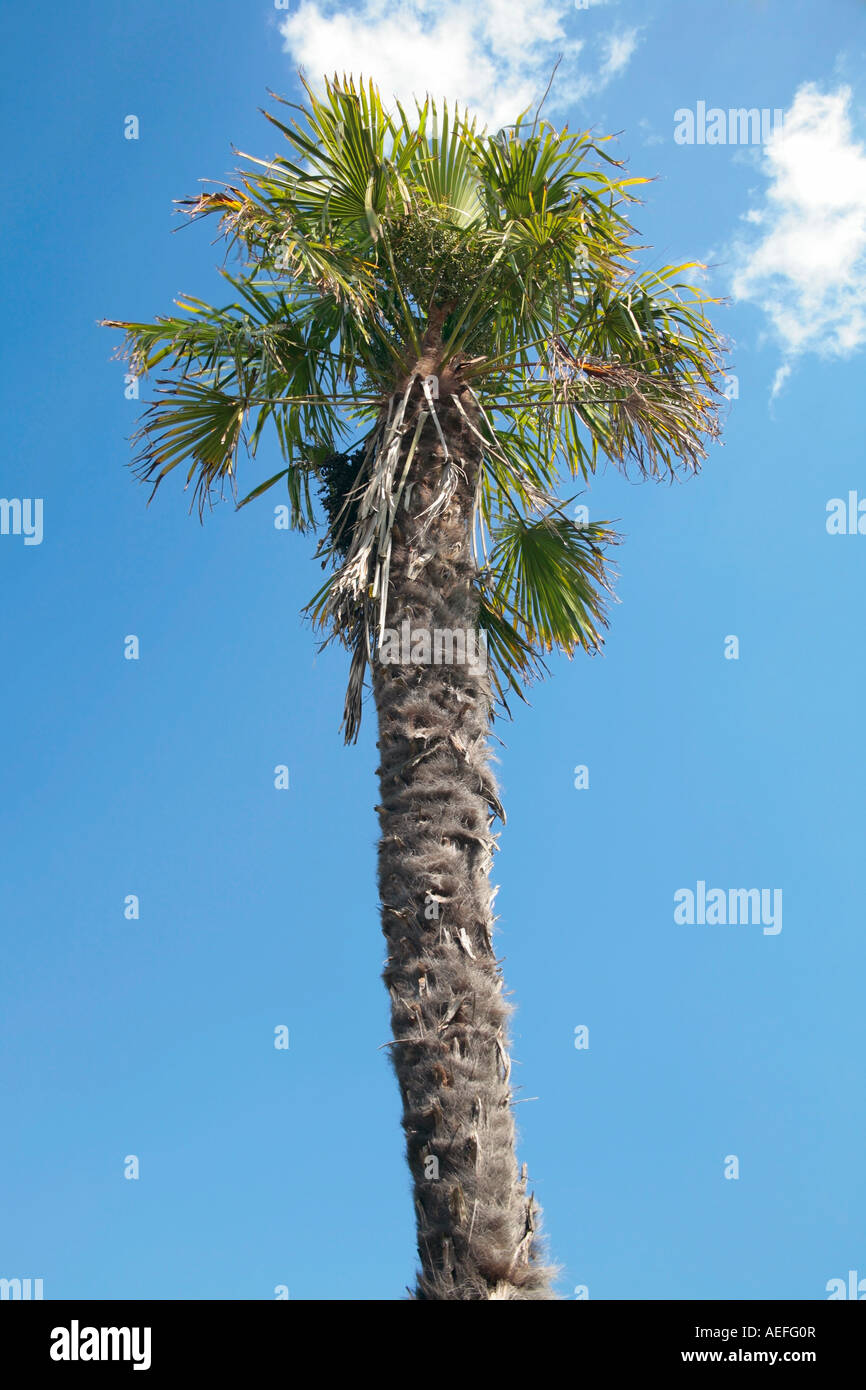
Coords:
476,1222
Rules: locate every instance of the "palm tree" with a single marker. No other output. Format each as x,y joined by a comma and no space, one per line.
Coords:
440,324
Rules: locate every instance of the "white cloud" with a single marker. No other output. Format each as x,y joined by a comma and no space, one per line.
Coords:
620,48
497,58
616,50
808,269
779,379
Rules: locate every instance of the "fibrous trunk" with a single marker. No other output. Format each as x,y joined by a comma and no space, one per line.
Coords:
477,1224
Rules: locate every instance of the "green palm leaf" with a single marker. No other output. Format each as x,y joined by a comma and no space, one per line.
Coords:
368,232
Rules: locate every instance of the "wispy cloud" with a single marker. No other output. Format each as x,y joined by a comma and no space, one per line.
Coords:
806,264
779,379
620,48
496,58
615,54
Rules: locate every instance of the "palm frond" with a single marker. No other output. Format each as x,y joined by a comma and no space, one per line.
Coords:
550,580
374,233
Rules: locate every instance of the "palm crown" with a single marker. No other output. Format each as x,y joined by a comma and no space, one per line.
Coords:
381,247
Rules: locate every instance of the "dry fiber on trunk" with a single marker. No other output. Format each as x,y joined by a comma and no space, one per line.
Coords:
477,1224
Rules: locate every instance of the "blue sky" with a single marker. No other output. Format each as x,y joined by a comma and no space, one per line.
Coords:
154,1037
